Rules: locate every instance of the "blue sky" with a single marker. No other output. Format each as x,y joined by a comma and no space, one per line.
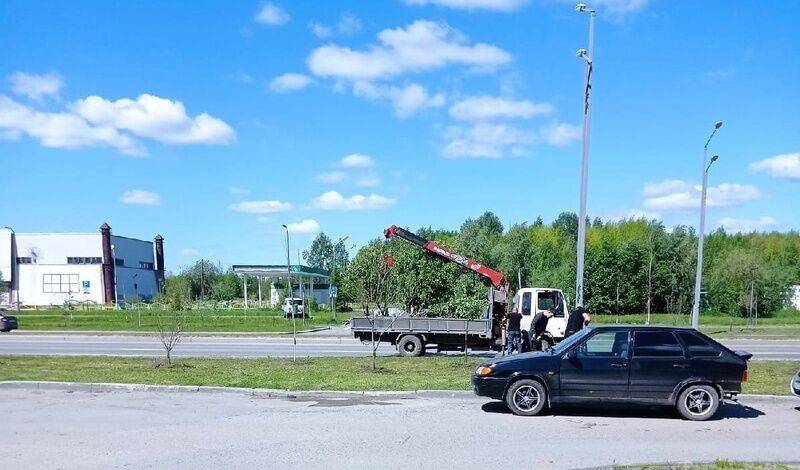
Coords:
214,123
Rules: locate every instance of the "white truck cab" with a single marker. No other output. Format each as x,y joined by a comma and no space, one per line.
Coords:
533,300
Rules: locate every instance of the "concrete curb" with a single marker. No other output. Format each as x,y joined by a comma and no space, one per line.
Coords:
234,334
94,387
99,387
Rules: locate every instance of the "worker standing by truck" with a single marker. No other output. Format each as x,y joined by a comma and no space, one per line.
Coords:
513,333
577,320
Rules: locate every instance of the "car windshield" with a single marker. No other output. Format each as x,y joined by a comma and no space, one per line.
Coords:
568,342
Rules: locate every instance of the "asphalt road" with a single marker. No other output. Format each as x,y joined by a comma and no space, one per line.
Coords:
230,346
57,429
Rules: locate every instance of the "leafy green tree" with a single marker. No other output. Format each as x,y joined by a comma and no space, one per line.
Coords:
227,287
202,275
321,254
369,276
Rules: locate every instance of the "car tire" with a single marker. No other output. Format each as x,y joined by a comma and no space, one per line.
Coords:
526,397
410,345
698,402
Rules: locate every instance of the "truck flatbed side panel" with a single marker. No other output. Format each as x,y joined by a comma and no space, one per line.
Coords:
456,326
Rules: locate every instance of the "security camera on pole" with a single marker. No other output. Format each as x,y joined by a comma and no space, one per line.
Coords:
588,57
701,234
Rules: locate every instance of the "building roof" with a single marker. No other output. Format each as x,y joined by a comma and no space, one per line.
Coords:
279,270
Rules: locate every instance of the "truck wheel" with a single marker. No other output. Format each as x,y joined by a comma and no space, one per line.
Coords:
526,397
410,345
698,402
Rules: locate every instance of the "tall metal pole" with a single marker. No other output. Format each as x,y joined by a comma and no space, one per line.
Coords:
701,235
587,117
291,297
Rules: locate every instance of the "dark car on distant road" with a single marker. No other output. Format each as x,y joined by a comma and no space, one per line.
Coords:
673,366
7,322
794,385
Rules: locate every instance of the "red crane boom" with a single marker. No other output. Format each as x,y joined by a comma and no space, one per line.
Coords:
496,278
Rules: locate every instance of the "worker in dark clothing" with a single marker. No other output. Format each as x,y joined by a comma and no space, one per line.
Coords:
513,335
539,326
577,320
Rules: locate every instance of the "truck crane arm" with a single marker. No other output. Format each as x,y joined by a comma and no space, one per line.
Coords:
496,278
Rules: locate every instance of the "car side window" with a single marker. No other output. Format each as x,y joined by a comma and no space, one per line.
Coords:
656,344
698,346
526,303
609,344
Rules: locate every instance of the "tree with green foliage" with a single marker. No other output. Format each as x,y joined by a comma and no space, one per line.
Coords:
227,287
320,255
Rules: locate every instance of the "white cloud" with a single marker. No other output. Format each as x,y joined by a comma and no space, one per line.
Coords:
271,14
35,86
631,214
289,82
420,46
238,190
670,195
305,226
368,180
334,201
356,160
330,177
190,252
348,24
141,197
496,5
732,225
260,207
61,129
780,166
559,134
484,108
485,140
155,118
407,100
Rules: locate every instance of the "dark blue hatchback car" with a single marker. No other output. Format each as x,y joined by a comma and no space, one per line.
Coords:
680,367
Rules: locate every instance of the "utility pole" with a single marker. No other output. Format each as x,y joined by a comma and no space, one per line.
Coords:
588,57
202,281
291,297
701,235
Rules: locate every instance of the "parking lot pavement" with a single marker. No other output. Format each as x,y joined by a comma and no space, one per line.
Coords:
58,429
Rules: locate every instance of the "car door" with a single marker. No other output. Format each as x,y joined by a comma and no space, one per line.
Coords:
658,364
598,367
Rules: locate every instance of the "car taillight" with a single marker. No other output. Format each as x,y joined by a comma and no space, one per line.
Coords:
744,376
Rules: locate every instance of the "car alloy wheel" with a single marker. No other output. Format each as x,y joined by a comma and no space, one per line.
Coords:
699,402
526,398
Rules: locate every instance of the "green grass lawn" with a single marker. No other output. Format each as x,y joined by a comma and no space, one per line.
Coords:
252,320
330,373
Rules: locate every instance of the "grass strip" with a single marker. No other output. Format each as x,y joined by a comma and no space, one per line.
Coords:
325,373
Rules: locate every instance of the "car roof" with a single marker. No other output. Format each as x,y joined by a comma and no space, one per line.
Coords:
644,327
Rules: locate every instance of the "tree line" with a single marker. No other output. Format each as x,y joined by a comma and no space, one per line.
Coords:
632,266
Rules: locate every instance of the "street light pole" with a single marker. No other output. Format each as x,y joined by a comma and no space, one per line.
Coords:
701,235
335,268
588,57
291,297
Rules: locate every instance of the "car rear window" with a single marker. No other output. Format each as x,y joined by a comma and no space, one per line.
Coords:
698,346
656,344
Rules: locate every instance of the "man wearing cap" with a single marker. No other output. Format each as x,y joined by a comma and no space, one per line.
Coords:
577,320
